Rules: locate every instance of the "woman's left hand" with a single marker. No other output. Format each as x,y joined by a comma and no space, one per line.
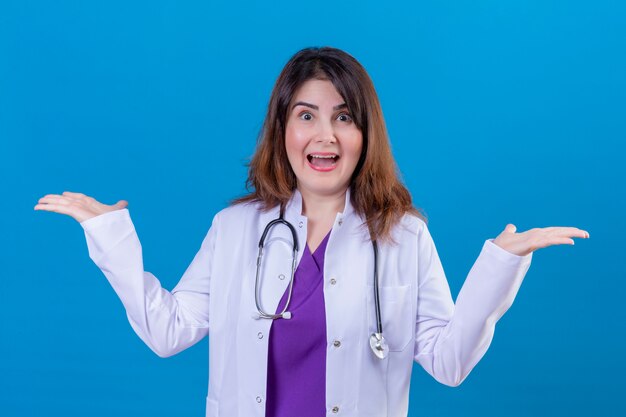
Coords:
522,244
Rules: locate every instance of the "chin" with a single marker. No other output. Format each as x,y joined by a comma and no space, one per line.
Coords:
322,190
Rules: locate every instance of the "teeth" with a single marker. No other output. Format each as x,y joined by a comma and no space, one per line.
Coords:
323,156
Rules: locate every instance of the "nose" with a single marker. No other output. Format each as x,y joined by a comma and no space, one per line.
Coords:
326,132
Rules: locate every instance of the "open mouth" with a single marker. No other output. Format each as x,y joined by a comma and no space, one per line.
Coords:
323,162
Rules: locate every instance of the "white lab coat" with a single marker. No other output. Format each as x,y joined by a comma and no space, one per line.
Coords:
215,297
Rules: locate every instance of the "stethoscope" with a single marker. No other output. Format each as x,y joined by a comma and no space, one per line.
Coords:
377,340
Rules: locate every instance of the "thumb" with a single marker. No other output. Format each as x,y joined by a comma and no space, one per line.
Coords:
121,204
510,228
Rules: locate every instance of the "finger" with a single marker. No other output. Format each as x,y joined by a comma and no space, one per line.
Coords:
75,195
79,197
77,212
562,241
582,234
552,241
561,231
54,199
72,197
52,195
571,232
47,207
57,208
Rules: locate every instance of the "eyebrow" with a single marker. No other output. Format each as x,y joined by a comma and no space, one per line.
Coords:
314,107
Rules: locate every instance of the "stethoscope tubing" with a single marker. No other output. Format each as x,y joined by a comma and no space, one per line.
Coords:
379,324
262,313
377,341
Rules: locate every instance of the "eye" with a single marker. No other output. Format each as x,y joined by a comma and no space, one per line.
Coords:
305,116
344,117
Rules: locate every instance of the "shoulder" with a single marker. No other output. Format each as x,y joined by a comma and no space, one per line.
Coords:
231,222
239,209
237,214
410,225
408,231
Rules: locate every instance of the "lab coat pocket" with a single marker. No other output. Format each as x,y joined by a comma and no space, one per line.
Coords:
395,311
211,408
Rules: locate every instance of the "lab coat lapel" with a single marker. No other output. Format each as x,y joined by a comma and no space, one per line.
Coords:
348,266
274,275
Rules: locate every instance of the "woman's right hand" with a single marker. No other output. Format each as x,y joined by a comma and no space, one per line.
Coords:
77,205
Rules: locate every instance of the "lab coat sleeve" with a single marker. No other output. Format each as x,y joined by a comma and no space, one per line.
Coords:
168,322
452,338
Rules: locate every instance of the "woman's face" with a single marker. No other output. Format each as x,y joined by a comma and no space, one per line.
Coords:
323,143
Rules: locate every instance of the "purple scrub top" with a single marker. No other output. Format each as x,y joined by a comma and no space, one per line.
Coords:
296,374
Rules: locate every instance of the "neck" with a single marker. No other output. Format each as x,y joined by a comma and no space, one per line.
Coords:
322,206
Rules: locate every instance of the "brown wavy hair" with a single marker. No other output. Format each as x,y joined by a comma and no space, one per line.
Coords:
377,192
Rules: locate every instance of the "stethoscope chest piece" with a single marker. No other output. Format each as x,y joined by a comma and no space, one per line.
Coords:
378,345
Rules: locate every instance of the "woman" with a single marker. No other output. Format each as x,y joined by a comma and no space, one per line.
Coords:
328,317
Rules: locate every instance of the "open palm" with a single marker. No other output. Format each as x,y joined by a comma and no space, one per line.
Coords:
77,205
526,242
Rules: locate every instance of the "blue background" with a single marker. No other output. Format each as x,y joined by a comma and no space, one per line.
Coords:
498,112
